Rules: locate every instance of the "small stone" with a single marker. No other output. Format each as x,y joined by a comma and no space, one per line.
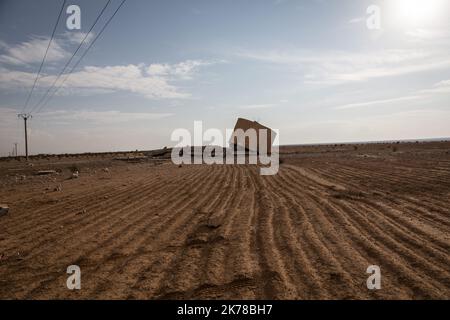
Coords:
4,209
214,222
45,172
19,257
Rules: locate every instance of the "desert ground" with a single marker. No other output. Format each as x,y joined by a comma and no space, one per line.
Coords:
149,229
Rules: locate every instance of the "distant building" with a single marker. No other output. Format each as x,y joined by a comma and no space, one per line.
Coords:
240,139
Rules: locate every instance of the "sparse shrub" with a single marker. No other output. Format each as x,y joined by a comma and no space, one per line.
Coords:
394,149
355,148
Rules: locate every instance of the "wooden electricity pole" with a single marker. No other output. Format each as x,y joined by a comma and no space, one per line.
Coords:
25,117
15,149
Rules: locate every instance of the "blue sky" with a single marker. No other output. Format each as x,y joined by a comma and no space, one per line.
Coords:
311,69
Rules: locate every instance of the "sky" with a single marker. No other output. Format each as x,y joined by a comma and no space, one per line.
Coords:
313,69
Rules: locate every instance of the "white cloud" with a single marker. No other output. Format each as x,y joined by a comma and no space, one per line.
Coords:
336,67
77,37
440,87
157,69
32,51
15,80
428,34
182,70
131,78
377,102
154,82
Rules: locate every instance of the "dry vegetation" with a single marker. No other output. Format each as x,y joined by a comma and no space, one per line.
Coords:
154,230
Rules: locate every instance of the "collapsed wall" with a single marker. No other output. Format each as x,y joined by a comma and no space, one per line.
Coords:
240,138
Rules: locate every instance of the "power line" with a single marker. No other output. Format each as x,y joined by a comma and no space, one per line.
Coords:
71,58
82,56
45,56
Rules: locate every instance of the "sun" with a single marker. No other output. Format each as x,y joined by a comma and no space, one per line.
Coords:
415,13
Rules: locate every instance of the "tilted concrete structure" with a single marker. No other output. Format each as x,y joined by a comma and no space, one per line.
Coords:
240,138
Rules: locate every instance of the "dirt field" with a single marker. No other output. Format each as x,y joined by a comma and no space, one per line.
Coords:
153,230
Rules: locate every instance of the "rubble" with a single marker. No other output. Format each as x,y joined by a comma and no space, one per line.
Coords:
3,209
136,158
20,178
19,257
82,211
75,175
45,172
214,222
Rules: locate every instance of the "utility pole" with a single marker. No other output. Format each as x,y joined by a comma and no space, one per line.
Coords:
25,117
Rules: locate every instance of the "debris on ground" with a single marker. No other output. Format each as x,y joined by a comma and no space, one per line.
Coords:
20,177
45,172
82,211
19,257
133,158
3,209
75,175
106,170
58,188
214,221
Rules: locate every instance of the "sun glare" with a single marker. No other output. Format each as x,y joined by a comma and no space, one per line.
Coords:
414,13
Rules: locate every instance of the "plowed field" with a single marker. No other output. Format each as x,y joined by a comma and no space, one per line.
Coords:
159,231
